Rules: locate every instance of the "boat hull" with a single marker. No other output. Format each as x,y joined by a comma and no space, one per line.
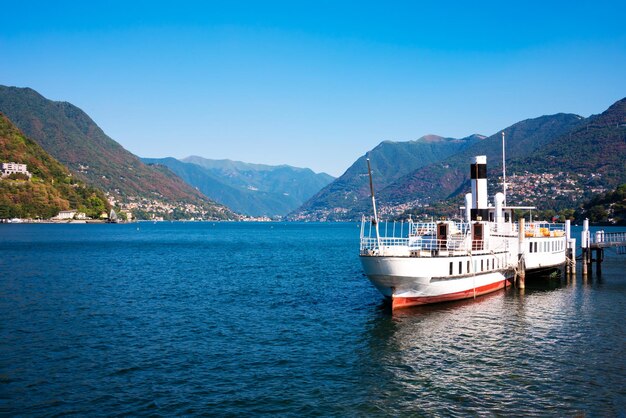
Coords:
414,281
398,302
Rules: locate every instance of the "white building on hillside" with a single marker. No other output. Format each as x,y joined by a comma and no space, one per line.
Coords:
66,214
14,168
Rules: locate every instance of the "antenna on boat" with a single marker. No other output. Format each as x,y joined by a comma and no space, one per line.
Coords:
503,169
369,171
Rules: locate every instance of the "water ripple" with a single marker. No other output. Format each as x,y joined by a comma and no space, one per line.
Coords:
233,319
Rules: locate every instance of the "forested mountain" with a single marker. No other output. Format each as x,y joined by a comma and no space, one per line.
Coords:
553,162
390,161
566,170
442,180
51,188
69,134
597,145
250,189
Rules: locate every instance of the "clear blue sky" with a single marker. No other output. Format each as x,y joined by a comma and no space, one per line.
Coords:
312,84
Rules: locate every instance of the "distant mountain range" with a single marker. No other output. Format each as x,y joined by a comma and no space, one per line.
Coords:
69,135
554,161
250,189
51,187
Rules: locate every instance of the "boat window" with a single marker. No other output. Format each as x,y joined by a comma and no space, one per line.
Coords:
460,267
451,268
482,268
468,266
487,264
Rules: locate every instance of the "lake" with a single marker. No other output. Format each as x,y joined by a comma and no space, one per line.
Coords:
278,319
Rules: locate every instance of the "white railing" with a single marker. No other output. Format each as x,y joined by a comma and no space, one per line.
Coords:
602,237
413,238
420,238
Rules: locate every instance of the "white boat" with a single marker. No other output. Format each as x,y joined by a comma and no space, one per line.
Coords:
422,263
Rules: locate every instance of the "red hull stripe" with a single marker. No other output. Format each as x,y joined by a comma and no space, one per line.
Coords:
399,302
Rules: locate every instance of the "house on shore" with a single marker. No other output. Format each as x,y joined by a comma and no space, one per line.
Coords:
15,168
69,215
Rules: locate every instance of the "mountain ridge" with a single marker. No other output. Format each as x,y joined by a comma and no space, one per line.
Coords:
72,137
389,160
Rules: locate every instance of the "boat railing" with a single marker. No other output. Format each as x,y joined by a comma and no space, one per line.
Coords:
544,229
414,238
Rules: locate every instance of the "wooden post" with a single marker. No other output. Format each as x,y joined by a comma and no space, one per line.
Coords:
584,243
572,249
521,268
599,259
568,252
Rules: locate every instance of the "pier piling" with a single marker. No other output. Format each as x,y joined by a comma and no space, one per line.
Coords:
584,243
521,268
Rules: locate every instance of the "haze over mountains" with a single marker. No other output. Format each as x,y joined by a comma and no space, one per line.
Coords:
250,189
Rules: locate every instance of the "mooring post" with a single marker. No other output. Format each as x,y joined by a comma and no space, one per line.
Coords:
584,243
572,252
568,253
599,259
521,268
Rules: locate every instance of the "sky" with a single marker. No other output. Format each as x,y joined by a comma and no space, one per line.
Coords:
312,83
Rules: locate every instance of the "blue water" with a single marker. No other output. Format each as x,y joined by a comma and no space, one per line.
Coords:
239,319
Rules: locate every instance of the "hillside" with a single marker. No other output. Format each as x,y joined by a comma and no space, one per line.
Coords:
68,134
250,189
52,187
584,162
569,169
608,208
390,161
449,178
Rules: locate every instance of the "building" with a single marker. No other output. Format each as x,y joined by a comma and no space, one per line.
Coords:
15,168
66,214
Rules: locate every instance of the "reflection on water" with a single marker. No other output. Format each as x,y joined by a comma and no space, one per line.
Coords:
540,351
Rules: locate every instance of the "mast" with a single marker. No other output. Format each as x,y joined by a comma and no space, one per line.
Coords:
503,169
369,170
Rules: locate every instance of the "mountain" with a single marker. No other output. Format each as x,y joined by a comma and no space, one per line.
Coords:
586,161
390,161
598,145
51,188
69,134
251,189
450,177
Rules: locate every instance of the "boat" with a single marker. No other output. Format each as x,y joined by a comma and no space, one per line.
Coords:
113,219
439,261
